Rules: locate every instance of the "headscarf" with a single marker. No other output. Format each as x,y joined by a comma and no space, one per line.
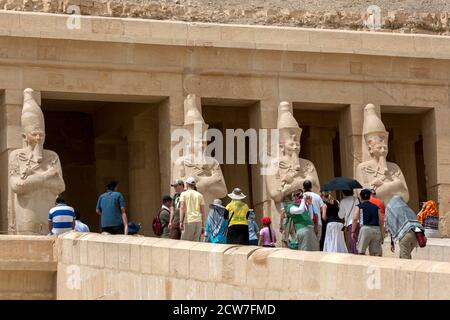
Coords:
430,210
400,218
252,225
251,218
215,218
251,215
265,221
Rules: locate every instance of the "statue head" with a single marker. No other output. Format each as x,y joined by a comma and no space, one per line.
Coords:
290,144
375,134
289,130
33,125
196,144
378,146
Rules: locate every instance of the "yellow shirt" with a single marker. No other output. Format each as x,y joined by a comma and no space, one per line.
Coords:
238,210
192,202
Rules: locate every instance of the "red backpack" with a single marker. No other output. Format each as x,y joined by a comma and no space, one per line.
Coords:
421,239
157,225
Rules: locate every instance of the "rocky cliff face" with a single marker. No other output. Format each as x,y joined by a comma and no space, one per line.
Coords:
406,16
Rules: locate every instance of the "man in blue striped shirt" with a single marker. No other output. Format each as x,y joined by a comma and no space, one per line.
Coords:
61,218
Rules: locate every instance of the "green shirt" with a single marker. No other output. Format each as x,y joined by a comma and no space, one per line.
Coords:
176,209
301,220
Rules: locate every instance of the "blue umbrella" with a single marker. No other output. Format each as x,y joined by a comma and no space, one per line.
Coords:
341,183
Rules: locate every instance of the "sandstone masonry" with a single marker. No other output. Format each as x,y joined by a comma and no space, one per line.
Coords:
404,16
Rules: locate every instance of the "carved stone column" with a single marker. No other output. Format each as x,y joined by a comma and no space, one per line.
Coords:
319,150
436,143
350,135
405,156
144,177
262,116
170,117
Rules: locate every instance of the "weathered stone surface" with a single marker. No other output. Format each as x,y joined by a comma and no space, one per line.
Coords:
249,272
35,174
209,179
376,172
28,267
405,16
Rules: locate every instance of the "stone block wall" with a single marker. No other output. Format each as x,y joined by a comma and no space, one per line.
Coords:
93,266
27,267
399,16
436,250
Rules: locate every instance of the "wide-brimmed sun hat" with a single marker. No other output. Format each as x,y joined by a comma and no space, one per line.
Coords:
237,194
217,202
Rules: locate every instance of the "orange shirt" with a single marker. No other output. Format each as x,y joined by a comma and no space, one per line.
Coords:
378,203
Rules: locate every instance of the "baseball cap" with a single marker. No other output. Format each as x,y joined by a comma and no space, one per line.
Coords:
177,182
191,181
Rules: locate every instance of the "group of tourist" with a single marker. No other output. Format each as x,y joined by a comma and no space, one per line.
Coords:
63,218
354,225
110,207
185,217
308,221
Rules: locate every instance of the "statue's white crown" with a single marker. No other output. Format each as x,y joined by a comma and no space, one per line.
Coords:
191,113
32,116
286,120
372,123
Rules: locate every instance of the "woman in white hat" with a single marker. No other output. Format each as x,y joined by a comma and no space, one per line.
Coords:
238,212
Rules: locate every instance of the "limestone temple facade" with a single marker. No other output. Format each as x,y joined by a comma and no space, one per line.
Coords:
84,100
112,91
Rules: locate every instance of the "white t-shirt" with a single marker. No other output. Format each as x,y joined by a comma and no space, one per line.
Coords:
347,209
80,226
317,203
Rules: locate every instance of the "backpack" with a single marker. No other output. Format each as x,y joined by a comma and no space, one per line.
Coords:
421,239
157,225
133,228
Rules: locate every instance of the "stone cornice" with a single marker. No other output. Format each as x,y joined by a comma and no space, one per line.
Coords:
144,31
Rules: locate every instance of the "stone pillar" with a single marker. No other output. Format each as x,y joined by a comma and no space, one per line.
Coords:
170,117
144,176
320,151
262,116
405,156
350,136
436,142
11,102
111,163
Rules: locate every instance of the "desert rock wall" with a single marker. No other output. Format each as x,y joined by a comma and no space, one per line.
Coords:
406,16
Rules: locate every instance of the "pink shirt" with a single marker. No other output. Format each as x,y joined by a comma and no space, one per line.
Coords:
264,234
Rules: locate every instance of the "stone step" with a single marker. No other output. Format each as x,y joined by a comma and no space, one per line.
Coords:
27,296
28,265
